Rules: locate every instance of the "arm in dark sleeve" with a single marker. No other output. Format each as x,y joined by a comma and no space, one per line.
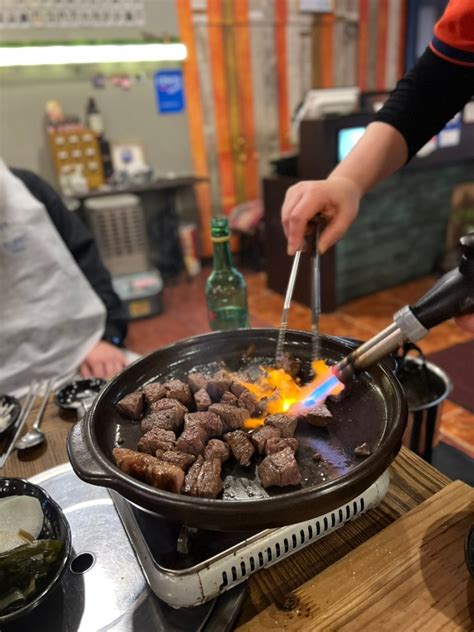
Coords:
81,244
426,98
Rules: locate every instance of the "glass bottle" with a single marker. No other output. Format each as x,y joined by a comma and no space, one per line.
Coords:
226,290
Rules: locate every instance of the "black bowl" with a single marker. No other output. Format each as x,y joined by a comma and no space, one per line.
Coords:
55,527
8,399
69,397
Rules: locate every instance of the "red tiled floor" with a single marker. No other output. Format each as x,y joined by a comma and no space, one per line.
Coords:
185,315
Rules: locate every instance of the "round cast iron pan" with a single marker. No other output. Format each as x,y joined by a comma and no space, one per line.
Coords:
375,412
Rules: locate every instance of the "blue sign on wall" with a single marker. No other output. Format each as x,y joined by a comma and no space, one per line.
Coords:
169,90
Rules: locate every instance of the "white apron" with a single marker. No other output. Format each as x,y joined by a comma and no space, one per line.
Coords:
50,317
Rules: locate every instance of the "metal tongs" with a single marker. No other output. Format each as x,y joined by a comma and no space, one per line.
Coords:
311,244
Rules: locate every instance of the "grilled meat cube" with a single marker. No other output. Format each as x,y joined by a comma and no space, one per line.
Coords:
210,422
153,392
181,459
285,423
190,482
197,381
218,384
202,399
217,449
131,405
317,416
276,444
237,388
241,446
192,440
260,437
149,469
232,416
209,483
165,419
156,439
172,405
280,470
290,365
248,401
363,450
176,389
229,398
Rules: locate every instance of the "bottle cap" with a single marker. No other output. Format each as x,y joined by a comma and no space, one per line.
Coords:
220,229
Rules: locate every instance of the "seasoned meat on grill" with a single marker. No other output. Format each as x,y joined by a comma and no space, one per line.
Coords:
156,439
190,482
280,470
319,416
237,388
209,483
277,445
166,419
210,422
197,381
362,450
173,405
260,437
232,416
285,423
181,459
241,446
202,399
193,439
153,392
229,398
131,405
248,401
149,469
290,365
176,389
218,384
217,449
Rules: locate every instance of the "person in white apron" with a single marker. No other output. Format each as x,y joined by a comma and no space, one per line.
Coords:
51,320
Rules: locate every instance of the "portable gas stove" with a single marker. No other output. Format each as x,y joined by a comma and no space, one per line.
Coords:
156,575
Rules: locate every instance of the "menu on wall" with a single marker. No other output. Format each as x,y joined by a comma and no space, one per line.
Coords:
17,14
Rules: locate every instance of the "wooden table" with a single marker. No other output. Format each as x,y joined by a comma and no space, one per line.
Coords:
412,482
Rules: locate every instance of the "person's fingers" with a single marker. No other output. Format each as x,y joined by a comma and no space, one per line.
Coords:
466,323
292,197
300,215
333,231
85,370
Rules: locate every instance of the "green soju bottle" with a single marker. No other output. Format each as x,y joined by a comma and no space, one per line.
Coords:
226,290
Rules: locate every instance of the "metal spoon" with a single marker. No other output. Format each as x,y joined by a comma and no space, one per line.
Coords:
35,436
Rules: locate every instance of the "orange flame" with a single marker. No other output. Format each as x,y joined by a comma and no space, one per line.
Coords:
281,392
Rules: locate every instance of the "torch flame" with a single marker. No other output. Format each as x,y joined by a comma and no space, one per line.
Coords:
281,392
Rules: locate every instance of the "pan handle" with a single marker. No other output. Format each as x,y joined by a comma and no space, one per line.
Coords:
84,464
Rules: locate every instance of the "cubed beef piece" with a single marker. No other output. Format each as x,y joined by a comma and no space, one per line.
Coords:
278,444
285,423
153,392
176,389
290,364
209,482
156,439
190,482
230,399
217,449
197,381
181,459
202,399
165,419
362,450
248,401
280,470
241,446
260,437
317,416
218,384
149,469
208,421
192,440
237,388
232,416
173,405
131,405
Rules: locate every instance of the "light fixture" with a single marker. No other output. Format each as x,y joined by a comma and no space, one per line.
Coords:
60,54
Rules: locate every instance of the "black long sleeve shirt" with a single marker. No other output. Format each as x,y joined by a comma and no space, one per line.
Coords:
80,243
426,98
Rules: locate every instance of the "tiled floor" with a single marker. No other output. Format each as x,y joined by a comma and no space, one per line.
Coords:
185,315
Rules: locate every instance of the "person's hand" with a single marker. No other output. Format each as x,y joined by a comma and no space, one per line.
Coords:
336,199
103,361
466,323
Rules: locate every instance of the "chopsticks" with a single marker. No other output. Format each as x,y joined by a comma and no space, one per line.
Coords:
34,390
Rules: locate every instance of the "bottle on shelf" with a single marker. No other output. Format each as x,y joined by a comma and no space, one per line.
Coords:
226,290
95,123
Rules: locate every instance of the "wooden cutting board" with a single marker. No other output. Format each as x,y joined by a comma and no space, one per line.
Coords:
410,576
